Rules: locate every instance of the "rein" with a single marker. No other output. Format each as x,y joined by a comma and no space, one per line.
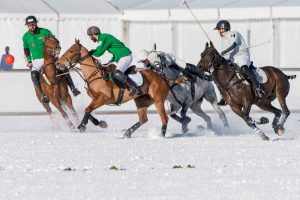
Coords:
98,68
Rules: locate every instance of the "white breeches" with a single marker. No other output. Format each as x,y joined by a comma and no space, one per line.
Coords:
37,64
124,63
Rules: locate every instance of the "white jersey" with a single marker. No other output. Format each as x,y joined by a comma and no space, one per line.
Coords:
240,54
166,59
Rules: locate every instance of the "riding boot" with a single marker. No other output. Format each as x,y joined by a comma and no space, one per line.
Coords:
222,102
255,84
133,87
184,72
70,83
35,77
194,70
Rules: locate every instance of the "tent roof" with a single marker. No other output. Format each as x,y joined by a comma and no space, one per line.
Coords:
150,9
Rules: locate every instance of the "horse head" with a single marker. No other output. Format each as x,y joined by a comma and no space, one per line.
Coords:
72,56
210,58
51,47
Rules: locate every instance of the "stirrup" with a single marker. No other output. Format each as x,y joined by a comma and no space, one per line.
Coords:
76,92
44,99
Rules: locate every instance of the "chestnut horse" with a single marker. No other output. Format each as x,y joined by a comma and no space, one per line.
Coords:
55,87
240,97
104,92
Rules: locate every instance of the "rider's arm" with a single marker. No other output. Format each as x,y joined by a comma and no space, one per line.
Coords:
99,51
229,49
27,51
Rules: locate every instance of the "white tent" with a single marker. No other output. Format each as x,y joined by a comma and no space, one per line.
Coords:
140,23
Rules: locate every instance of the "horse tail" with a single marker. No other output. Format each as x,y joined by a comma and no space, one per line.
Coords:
291,77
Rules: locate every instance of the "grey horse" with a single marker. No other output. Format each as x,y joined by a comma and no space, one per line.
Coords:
181,97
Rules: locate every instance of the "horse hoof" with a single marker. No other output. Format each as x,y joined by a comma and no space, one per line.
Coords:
81,128
280,130
72,127
103,124
185,129
265,138
126,135
264,120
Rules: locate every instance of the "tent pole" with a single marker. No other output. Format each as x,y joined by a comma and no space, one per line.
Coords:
58,16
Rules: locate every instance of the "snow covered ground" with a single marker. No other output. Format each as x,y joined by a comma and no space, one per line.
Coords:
37,163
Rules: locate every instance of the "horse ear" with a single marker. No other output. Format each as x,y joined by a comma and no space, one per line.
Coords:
77,41
206,45
211,44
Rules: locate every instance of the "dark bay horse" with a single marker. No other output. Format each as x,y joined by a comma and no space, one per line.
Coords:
104,92
54,85
240,97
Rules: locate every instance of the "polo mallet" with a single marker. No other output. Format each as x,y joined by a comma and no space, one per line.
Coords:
183,2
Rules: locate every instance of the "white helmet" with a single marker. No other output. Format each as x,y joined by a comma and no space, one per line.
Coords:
142,56
154,58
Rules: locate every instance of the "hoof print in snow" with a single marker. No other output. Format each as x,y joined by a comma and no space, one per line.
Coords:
190,166
115,168
69,169
177,166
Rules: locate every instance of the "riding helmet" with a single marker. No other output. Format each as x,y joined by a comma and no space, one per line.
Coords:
224,24
30,19
93,30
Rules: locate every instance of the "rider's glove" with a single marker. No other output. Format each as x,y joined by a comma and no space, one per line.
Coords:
91,52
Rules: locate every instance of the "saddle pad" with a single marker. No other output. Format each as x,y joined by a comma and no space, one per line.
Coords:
259,74
137,78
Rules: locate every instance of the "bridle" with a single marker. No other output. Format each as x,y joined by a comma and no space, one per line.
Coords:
77,58
214,64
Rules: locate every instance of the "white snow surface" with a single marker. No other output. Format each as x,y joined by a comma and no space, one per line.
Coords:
39,163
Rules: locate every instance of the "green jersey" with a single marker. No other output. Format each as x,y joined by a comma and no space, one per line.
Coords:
112,45
35,43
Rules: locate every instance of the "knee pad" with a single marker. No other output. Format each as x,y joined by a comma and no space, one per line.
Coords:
119,78
35,76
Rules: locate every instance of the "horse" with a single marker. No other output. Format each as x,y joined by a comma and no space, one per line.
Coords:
55,86
240,96
181,97
103,91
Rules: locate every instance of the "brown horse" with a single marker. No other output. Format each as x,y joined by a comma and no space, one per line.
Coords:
55,86
104,92
240,96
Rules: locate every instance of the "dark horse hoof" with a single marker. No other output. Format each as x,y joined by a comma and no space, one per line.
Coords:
81,128
264,137
185,123
103,124
127,134
279,130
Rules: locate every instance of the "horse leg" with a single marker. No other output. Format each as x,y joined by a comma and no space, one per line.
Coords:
185,119
196,108
174,108
283,116
50,114
56,102
142,112
96,122
211,97
163,115
267,106
250,122
69,103
96,103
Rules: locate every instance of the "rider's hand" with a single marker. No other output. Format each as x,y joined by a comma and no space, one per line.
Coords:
223,53
29,65
91,52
